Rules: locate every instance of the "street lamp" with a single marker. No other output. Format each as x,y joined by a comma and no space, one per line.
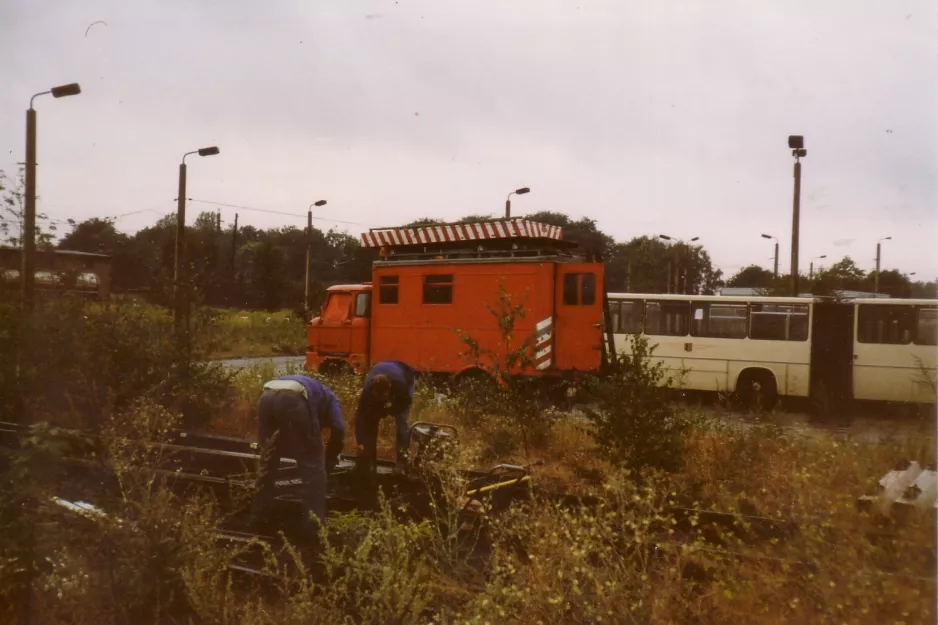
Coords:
309,247
769,236
811,270
29,209
178,269
876,279
520,191
676,273
796,143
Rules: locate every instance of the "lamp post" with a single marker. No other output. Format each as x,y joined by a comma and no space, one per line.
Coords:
520,191
796,143
811,270
28,277
878,249
309,247
180,300
775,269
678,270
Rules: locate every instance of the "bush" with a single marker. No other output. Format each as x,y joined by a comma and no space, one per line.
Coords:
81,361
635,425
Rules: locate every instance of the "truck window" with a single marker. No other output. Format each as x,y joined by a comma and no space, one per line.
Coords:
337,307
588,289
579,289
438,289
387,289
363,305
570,283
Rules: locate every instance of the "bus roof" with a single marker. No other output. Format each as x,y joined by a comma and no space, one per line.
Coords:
714,298
893,301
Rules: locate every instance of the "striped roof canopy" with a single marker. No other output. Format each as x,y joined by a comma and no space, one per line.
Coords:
460,232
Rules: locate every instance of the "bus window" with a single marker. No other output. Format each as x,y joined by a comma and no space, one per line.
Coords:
926,330
630,317
886,324
779,322
721,321
666,318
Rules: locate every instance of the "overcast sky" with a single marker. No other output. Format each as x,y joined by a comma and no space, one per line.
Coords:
650,117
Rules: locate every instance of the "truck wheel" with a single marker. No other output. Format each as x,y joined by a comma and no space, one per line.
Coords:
335,368
475,383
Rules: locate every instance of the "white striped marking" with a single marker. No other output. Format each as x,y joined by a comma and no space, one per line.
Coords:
542,352
543,323
543,365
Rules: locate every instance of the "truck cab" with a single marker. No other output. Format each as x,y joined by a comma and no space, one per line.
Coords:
337,340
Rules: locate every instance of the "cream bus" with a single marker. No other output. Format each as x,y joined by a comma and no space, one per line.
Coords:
868,349
895,351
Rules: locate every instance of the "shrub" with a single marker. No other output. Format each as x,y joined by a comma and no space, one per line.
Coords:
635,425
81,361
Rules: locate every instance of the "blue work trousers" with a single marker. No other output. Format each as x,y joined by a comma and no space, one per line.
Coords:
287,429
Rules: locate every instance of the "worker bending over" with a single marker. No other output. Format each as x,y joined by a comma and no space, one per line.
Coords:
388,391
291,413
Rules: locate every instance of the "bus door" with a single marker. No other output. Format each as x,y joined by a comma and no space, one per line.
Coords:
578,306
832,353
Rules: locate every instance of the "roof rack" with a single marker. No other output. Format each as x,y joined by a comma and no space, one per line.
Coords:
447,234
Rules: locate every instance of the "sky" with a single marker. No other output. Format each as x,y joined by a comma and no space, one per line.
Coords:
666,117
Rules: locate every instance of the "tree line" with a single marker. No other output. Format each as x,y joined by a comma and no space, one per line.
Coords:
241,266
844,275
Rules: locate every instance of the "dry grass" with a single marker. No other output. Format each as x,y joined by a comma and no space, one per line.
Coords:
634,558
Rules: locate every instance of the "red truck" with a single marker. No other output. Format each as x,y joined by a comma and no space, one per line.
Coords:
435,284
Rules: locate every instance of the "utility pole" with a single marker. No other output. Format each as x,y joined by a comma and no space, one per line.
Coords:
796,143
234,249
520,191
180,301
775,270
878,250
309,246
28,234
309,253
178,298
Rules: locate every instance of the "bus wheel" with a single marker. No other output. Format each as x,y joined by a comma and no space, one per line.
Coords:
756,390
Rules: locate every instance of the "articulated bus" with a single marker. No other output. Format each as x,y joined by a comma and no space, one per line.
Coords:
867,349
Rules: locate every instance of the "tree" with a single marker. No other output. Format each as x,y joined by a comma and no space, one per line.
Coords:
13,212
924,290
583,231
892,282
648,265
752,276
97,236
843,275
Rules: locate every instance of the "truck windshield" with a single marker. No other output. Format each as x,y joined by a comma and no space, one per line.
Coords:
337,307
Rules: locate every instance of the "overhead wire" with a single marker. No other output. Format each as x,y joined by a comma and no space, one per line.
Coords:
275,212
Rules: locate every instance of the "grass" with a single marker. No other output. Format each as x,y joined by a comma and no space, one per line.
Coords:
253,334
754,524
